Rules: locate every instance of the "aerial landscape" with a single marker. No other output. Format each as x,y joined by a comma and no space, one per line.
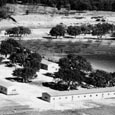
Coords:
57,57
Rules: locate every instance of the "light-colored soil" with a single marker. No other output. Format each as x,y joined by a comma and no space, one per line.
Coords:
29,95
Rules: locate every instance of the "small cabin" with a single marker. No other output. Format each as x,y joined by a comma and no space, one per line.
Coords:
7,88
49,66
77,95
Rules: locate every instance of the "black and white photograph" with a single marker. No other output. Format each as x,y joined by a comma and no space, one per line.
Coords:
57,57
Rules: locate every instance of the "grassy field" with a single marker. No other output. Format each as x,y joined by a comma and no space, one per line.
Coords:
59,48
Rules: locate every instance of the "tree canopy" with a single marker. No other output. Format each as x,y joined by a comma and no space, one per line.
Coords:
100,78
73,30
18,31
29,61
99,29
73,69
58,30
76,70
25,74
9,46
102,29
74,4
6,48
33,61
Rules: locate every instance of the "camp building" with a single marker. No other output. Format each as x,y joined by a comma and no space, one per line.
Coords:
76,95
49,66
7,88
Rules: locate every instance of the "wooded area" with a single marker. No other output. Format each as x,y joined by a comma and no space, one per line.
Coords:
106,5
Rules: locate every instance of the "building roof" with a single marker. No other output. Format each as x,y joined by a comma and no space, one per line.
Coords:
80,92
44,61
5,83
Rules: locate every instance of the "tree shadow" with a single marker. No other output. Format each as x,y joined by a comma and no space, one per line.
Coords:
8,64
17,79
48,37
49,74
56,86
69,37
42,99
14,79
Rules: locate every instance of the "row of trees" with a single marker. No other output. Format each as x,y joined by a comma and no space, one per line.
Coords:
75,71
102,29
18,31
29,61
98,29
72,4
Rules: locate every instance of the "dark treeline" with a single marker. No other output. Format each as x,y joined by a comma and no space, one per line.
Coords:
70,4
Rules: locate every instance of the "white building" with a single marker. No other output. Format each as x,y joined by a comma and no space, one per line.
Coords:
2,33
7,88
76,95
49,66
